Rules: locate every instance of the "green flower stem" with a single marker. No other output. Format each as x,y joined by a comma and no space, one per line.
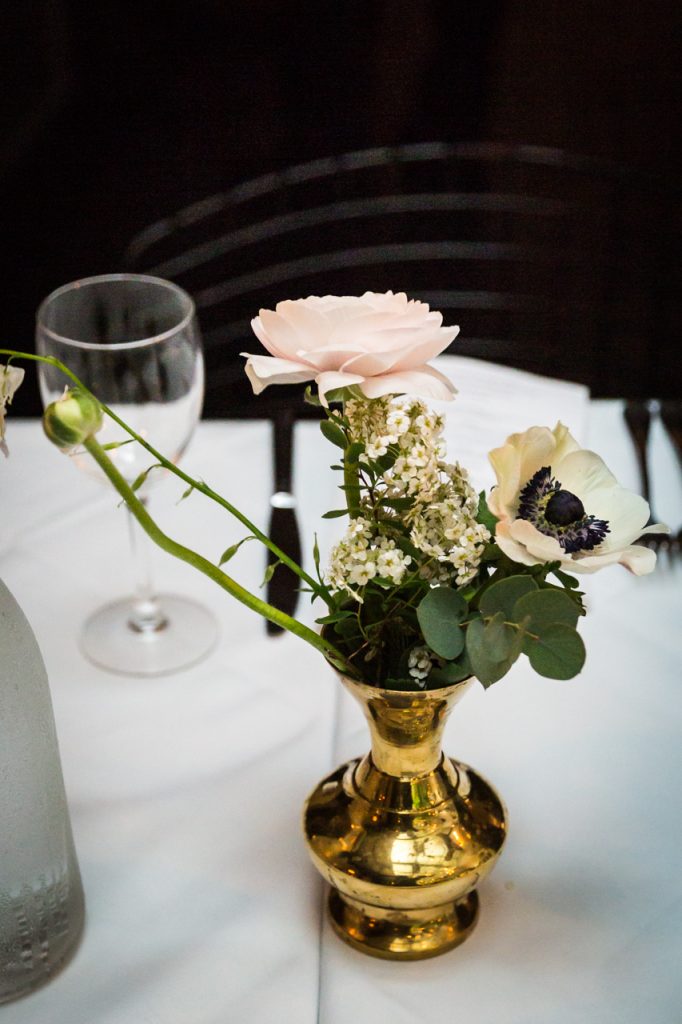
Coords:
198,485
202,564
351,483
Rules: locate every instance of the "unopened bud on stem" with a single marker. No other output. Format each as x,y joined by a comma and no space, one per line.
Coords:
73,418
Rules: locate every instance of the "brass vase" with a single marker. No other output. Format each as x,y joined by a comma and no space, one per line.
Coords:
404,835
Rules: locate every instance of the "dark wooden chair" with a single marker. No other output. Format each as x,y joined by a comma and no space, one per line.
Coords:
550,262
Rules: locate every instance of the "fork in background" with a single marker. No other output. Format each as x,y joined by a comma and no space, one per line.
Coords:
671,417
638,420
282,587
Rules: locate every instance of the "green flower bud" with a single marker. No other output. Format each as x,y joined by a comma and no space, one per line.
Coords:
73,418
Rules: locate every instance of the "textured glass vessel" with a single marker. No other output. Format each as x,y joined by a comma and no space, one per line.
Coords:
41,897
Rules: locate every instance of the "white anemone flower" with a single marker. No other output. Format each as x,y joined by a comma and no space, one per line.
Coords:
10,379
557,502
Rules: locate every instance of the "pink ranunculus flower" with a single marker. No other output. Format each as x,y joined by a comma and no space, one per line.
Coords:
557,502
377,343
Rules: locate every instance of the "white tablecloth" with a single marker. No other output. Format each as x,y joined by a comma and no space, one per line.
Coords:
186,791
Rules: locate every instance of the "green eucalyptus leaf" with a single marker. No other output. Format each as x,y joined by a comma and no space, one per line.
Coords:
503,595
544,608
496,637
558,654
335,513
451,672
333,433
439,614
486,669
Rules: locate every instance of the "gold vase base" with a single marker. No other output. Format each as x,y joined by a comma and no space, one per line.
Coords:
403,935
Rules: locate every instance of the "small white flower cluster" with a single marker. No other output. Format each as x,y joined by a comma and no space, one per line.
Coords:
455,540
419,664
442,519
414,429
363,555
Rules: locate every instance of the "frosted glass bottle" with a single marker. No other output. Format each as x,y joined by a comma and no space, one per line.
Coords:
41,897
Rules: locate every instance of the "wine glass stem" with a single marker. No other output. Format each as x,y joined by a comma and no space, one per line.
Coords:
146,615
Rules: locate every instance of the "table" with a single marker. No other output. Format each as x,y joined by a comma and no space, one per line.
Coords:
185,792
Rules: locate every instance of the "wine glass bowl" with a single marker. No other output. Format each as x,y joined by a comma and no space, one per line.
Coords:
133,340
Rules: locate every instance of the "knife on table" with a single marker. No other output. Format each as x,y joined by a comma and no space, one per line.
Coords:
282,587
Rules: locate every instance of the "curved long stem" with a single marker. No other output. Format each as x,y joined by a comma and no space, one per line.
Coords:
203,565
197,485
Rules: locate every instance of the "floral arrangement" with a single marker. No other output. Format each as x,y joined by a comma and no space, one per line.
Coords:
431,582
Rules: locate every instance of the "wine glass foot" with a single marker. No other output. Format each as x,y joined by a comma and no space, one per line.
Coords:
187,634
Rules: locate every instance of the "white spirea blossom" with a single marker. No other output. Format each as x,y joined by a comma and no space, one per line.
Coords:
363,555
442,518
419,664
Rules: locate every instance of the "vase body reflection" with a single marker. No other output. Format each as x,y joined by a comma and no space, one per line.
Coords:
41,897
404,835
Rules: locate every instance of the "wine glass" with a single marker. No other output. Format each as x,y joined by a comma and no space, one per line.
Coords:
134,341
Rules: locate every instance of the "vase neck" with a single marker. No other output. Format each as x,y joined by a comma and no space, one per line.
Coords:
406,728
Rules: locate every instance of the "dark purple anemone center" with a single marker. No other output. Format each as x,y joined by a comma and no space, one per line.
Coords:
560,514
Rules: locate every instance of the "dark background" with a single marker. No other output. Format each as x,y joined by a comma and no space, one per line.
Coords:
120,112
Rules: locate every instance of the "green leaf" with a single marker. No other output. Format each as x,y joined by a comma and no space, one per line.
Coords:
387,461
497,639
484,514
544,608
232,551
452,672
486,668
503,595
439,614
335,617
558,654
270,572
333,433
403,685
310,398
570,582
116,444
399,504
353,452
335,513
316,556
139,480
347,628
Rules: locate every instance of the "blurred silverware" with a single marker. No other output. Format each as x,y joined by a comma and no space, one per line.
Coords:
671,417
638,420
282,587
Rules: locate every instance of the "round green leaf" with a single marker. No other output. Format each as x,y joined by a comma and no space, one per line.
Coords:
545,608
486,667
439,615
558,654
503,595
